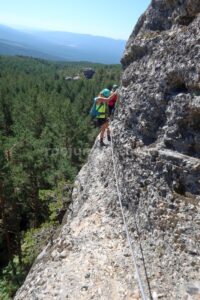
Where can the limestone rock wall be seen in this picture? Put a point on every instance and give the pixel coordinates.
(156, 134)
(89, 258)
(157, 141)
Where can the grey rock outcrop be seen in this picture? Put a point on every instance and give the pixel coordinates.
(156, 134)
(158, 123)
(88, 73)
(89, 259)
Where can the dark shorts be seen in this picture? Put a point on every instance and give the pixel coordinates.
(111, 110)
(100, 122)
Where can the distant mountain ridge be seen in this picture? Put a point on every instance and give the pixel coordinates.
(56, 45)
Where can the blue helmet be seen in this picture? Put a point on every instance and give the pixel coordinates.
(105, 93)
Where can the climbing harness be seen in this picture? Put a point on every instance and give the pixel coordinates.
(126, 227)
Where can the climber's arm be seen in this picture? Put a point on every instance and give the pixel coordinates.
(103, 99)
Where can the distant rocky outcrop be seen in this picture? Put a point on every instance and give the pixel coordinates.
(69, 78)
(88, 73)
(156, 134)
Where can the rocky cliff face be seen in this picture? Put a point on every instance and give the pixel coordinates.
(89, 259)
(156, 134)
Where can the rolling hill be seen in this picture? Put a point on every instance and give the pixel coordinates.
(65, 46)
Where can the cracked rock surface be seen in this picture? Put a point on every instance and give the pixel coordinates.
(156, 134)
(89, 259)
(157, 142)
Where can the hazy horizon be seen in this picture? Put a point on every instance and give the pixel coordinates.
(60, 45)
(113, 19)
(35, 29)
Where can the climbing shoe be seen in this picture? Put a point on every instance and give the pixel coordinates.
(108, 137)
(102, 143)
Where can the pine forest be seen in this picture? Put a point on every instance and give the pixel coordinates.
(45, 136)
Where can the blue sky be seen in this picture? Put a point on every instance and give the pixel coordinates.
(111, 18)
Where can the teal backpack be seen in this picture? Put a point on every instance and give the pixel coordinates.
(94, 112)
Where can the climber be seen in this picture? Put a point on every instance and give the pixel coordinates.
(112, 102)
(102, 119)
